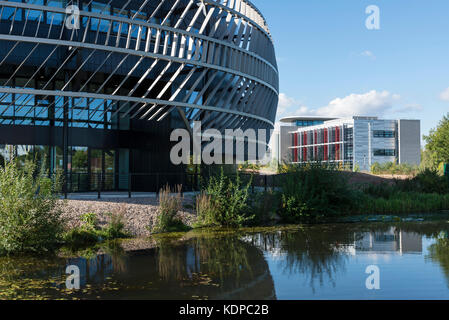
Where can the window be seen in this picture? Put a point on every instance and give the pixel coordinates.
(384, 134)
(384, 152)
(308, 123)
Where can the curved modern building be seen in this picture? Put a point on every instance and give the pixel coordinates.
(97, 86)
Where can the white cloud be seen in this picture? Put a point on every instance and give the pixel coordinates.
(445, 95)
(372, 103)
(288, 105)
(368, 54)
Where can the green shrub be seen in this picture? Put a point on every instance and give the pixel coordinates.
(224, 202)
(430, 181)
(81, 237)
(264, 206)
(30, 213)
(313, 191)
(403, 203)
(115, 229)
(90, 221)
(90, 233)
(394, 169)
(169, 206)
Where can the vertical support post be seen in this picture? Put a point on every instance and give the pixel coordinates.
(129, 184)
(99, 182)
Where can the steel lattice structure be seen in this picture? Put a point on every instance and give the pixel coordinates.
(209, 61)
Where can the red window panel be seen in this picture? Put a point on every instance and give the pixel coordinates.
(295, 139)
(326, 149)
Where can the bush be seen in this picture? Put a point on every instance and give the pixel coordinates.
(30, 213)
(169, 206)
(430, 181)
(394, 169)
(224, 202)
(90, 233)
(115, 229)
(264, 206)
(313, 191)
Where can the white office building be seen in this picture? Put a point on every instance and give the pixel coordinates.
(357, 142)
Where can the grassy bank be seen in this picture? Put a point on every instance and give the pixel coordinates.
(31, 220)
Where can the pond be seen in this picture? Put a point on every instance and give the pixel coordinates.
(407, 260)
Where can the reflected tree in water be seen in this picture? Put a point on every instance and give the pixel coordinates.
(439, 252)
(315, 252)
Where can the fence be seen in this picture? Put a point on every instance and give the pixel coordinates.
(153, 182)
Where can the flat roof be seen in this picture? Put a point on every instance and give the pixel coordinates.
(311, 118)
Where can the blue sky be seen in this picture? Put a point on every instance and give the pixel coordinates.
(330, 63)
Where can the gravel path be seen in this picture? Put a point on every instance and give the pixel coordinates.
(137, 212)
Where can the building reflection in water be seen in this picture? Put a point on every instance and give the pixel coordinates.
(391, 241)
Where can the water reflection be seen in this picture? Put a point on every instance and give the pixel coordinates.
(315, 252)
(393, 240)
(329, 259)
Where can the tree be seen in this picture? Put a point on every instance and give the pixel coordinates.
(438, 142)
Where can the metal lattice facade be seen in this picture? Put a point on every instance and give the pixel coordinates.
(209, 61)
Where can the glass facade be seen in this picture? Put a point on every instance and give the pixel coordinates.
(333, 144)
(384, 152)
(384, 134)
(309, 123)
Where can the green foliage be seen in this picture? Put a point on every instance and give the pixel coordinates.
(437, 143)
(170, 203)
(430, 181)
(311, 192)
(403, 203)
(427, 181)
(224, 202)
(81, 237)
(394, 169)
(264, 206)
(250, 166)
(90, 233)
(90, 220)
(115, 229)
(30, 213)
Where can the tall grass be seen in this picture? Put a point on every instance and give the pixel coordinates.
(403, 203)
(170, 204)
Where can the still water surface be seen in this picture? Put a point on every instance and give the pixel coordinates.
(301, 262)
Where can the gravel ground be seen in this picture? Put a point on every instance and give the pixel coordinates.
(137, 213)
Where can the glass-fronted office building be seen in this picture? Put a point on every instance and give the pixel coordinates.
(356, 142)
(96, 87)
